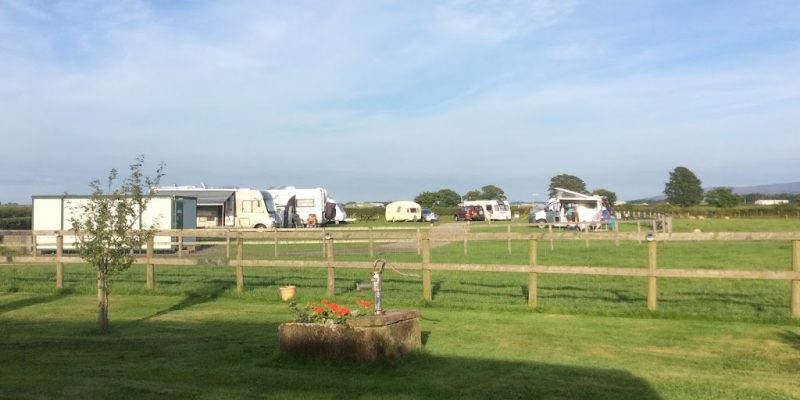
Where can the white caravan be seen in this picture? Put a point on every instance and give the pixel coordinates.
(55, 213)
(496, 210)
(229, 208)
(307, 202)
(589, 208)
(403, 211)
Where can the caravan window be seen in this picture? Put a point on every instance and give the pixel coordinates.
(305, 202)
(247, 205)
(502, 207)
(489, 207)
(413, 209)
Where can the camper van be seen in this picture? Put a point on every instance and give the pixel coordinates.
(495, 210)
(228, 208)
(586, 209)
(55, 213)
(311, 206)
(403, 211)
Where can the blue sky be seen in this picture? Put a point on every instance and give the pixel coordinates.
(382, 100)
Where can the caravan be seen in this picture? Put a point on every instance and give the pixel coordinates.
(228, 208)
(495, 210)
(403, 211)
(306, 207)
(55, 213)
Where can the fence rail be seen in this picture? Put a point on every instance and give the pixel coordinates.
(422, 240)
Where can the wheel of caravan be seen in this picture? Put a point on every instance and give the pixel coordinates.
(260, 226)
(541, 223)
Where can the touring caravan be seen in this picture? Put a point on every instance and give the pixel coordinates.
(495, 210)
(229, 208)
(403, 211)
(55, 213)
(586, 209)
(312, 206)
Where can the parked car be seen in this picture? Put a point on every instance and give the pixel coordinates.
(429, 216)
(470, 213)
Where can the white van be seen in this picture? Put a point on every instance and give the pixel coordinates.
(588, 208)
(403, 211)
(496, 210)
(314, 201)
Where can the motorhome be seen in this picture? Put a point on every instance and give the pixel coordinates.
(55, 213)
(312, 206)
(229, 207)
(495, 210)
(586, 209)
(403, 211)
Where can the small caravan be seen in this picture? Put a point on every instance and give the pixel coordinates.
(403, 211)
(495, 210)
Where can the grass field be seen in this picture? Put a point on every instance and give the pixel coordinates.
(591, 338)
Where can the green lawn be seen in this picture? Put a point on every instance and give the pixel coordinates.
(592, 337)
(215, 345)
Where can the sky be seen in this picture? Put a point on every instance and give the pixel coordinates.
(384, 100)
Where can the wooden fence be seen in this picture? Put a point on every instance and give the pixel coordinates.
(420, 240)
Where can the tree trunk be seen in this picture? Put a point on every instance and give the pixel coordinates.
(102, 302)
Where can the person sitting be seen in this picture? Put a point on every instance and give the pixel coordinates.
(311, 222)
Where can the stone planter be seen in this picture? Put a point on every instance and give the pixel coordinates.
(362, 339)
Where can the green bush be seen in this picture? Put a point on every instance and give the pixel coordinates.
(15, 223)
(13, 210)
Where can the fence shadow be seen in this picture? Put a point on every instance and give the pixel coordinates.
(791, 338)
(31, 301)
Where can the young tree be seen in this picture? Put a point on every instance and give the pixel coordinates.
(683, 188)
(492, 192)
(472, 195)
(109, 229)
(565, 181)
(722, 197)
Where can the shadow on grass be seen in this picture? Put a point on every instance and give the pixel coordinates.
(791, 338)
(157, 359)
(31, 301)
(205, 294)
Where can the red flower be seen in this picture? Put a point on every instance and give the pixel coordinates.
(364, 303)
(318, 310)
(324, 302)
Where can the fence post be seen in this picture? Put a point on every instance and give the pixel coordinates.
(639, 230)
(180, 244)
(533, 290)
(324, 248)
(151, 270)
(239, 266)
(228, 244)
(331, 287)
(652, 288)
(419, 243)
(466, 231)
(796, 283)
(371, 244)
(276, 242)
(59, 261)
(550, 230)
(509, 238)
(427, 287)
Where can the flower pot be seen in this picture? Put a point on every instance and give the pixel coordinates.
(288, 292)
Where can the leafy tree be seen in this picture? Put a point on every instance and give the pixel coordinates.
(109, 229)
(488, 192)
(472, 195)
(441, 198)
(611, 196)
(565, 181)
(683, 188)
(492, 192)
(722, 197)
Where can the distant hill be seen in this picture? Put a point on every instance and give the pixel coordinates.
(775, 188)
